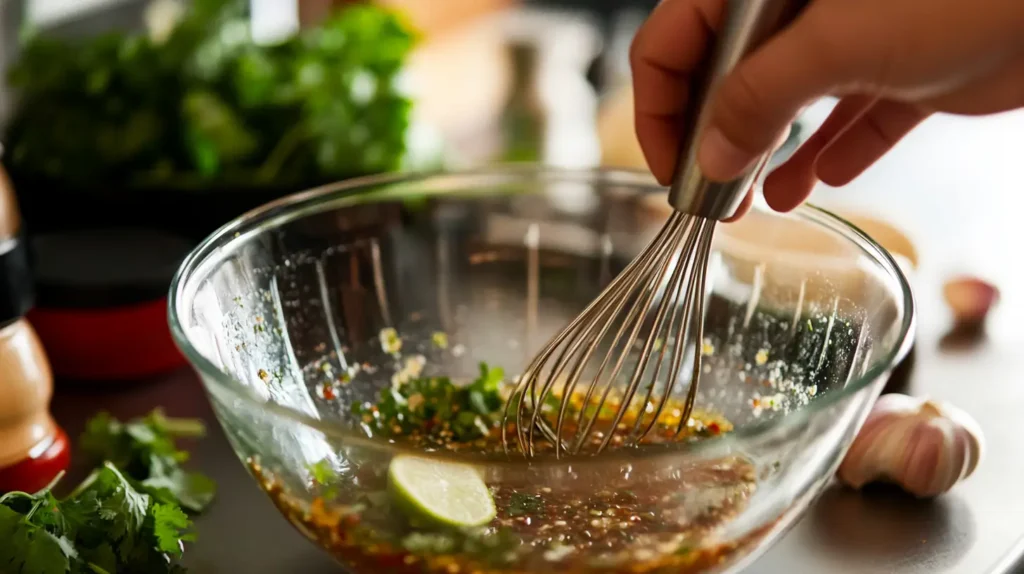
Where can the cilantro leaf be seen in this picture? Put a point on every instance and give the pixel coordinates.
(43, 552)
(121, 509)
(169, 483)
(170, 528)
(190, 490)
(146, 449)
(29, 548)
(110, 523)
(122, 528)
(484, 395)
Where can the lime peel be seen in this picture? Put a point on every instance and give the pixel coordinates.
(440, 493)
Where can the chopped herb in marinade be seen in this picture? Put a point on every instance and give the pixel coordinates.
(437, 407)
(325, 477)
(322, 472)
(440, 339)
(522, 503)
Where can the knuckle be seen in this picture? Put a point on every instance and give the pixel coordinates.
(834, 52)
(636, 48)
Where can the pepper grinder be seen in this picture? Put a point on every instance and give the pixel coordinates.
(33, 448)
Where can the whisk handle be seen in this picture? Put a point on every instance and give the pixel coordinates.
(747, 24)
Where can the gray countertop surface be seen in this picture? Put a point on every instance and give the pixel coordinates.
(953, 186)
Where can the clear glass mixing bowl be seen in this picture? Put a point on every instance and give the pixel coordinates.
(281, 312)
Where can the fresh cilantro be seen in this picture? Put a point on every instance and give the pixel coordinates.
(104, 526)
(28, 547)
(484, 392)
(147, 451)
(208, 107)
(171, 529)
(434, 405)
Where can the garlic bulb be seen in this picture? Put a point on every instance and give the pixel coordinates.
(923, 446)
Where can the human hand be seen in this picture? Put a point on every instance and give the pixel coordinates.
(892, 63)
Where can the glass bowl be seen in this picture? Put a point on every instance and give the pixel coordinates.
(301, 314)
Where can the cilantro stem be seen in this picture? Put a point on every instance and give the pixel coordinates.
(53, 483)
(14, 494)
(47, 488)
(89, 480)
(96, 569)
(35, 507)
(178, 427)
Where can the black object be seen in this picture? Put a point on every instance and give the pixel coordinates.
(103, 268)
(16, 293)
(49, 207)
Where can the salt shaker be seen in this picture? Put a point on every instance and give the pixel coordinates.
(33, 448)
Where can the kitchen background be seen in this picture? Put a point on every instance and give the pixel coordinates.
(123, 157)
(114, 192)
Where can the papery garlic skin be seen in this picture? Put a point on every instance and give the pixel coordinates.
(925, 447)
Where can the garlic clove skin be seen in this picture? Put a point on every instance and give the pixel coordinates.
(923, 446)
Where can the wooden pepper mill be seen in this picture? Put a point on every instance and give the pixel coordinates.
(33, 448)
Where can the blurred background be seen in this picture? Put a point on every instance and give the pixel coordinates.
(154, 105)
(131, 129)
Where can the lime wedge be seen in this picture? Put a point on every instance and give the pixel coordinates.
(443, 493)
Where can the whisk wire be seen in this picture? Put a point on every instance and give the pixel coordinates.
(656, 299)
(607, 313)
(529, 376)
(584, 424)
(677, 354)
(669, 300)
(701, 263)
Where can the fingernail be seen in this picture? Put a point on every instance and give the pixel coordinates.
(720, 158)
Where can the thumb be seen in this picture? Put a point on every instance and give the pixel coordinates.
(754, 103)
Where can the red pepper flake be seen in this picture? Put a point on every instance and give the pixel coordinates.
(327, 391)
(713, 428)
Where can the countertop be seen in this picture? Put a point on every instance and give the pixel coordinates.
(953, 187)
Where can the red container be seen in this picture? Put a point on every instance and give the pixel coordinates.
(101, 306)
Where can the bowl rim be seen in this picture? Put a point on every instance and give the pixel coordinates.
(345, 194)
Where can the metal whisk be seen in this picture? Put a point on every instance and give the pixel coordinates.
(657, 302)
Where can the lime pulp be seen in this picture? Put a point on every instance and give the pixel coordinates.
(443, 493)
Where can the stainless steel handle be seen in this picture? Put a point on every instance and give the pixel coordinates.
(747, 24)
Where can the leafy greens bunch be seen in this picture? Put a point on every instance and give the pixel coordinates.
(125, 518)
(206, 105)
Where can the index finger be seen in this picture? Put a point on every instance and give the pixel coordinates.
(667, 49)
